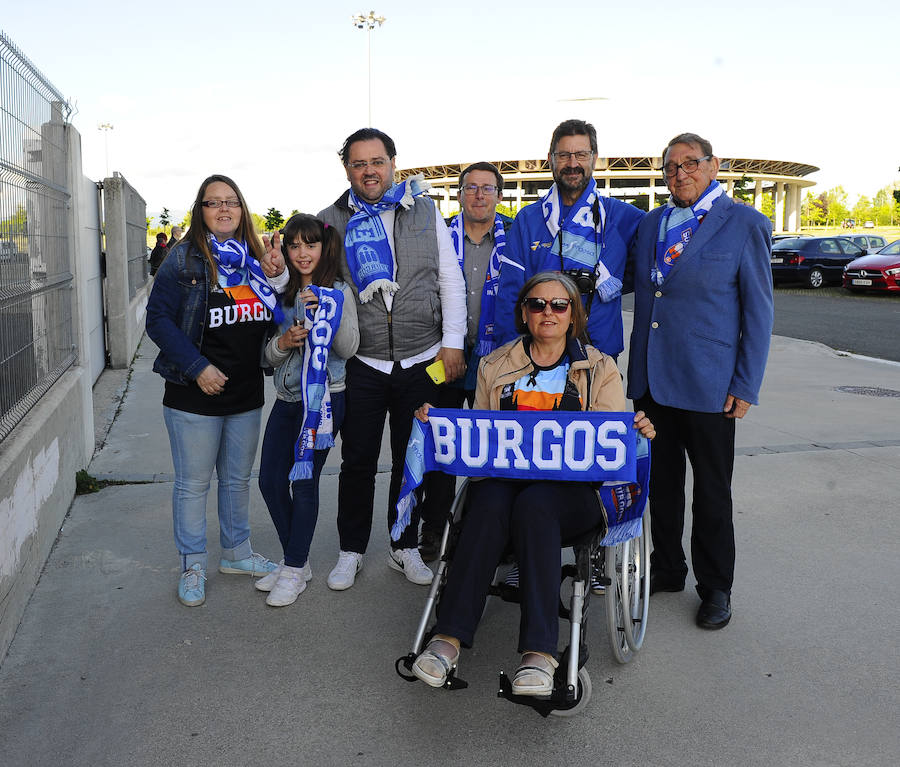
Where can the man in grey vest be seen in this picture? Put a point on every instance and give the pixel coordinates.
(401, 266)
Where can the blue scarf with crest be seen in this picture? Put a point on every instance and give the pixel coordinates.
(582, 239)
(370, 261)
(676, 227)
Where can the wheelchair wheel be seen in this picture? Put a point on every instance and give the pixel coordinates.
(585, 690)
(638, 587)
(617, 612)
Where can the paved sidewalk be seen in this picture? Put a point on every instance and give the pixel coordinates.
(108, 668)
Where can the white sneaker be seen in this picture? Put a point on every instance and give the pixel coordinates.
(344, 574)
(409, 562)
(290, 585)
(267, 583)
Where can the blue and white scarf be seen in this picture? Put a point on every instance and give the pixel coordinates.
(232, 255)
(486, 342)
(372, 265)
(676, 227)
(579, 242)
(316, 431)
(544, 445)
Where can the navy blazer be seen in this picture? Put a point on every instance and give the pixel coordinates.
(704, 333)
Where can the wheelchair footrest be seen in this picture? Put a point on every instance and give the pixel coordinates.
(453, 682)
(562, 697)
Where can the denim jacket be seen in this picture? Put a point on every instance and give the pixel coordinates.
(176, 313)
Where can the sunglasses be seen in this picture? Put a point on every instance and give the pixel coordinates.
(537, 305)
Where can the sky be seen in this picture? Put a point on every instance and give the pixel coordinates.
(266, 94)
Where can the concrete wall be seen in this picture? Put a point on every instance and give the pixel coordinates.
(125, 315)
(39, 459)
(37, 473)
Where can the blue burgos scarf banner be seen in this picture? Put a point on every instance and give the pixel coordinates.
(316, 431)
(574, 446)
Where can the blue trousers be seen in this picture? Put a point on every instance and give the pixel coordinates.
(293, 506)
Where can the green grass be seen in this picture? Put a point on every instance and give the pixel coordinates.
(890, 233)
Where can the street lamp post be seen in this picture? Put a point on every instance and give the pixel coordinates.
(368, 23)
(106, 128)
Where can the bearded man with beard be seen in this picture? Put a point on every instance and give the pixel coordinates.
(575, 230)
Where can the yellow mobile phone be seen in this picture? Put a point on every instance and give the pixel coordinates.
(436, 372)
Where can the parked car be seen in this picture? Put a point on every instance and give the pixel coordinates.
(813, 260)
(878, 271)
(8, 250)
(871, 243)
(788, 236)
(869, 225)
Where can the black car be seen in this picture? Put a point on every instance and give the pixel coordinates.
(813, 260)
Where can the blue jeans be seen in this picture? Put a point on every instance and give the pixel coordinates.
(293, 506)
(199, 443)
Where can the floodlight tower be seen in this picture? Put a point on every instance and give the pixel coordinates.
(368, 23)
(106, 128)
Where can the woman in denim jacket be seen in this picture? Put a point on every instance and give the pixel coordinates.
(312, 253)
(209, 311)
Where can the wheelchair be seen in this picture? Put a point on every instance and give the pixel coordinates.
(626, 577)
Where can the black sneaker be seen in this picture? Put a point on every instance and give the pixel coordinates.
(429, 545)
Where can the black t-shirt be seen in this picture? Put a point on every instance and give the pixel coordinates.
(236, 324)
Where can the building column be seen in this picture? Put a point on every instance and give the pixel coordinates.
(445, 208)
(757, 194)
(651, 204)
(729, 189)
(793, 208)
(518, 194)
(779, 206)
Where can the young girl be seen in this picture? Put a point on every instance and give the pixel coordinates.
(312, 251)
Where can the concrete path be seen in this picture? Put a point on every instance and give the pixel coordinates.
(108, 668)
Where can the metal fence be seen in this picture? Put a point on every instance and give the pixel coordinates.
(37, 337)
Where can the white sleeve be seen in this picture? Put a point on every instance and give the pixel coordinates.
(452, 287)
(279, 282)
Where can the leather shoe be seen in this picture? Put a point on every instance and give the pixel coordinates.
(665, 582)
(429, 545)
(715, 610)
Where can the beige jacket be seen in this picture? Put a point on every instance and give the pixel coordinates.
(510, 362)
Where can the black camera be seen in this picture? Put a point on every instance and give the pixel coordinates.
(583, 279)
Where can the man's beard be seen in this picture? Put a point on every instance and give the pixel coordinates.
(566, 180)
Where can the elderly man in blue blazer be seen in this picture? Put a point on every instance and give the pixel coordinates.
(702, 322)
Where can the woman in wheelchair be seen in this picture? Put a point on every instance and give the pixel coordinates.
(546, 368)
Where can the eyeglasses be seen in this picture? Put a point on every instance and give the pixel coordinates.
(537, 305)
(581, 155)
(377, 163)
(220, 203)
(486, 189)
(688, 166)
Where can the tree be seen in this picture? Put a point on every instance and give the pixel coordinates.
(836, 199)
(294, 212)
(743, 189)
(768, 207)
(862, 210)
(274, 220)
(813, 211)
(164, 220)
(259, 223)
